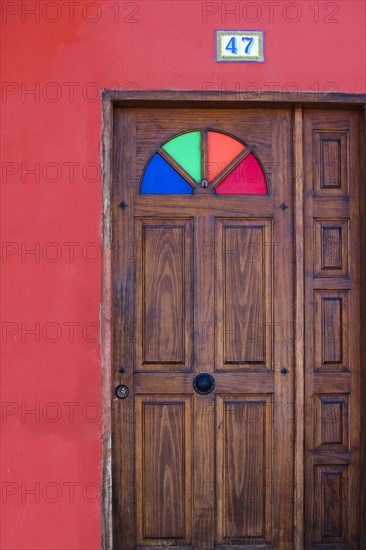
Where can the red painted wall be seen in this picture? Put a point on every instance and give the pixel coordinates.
(56, 57)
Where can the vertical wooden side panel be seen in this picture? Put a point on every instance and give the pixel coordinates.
(244, 469)
(299, 329)
(333, 342)
(163, 454)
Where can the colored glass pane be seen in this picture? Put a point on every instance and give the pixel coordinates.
(246, 178)
(161, 178)
(221, 150)
(185, 149)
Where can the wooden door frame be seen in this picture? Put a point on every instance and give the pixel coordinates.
(223, 100)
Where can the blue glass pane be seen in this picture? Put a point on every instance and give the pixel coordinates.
(161, 178)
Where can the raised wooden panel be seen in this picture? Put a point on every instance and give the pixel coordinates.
(331, 332)
(331, 248)
(163, 469)
(164, 300)
(332, 422)
(330, 153)
(243, 294)
(244, 469)
(331, 504)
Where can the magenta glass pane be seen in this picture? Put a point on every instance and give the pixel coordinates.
(246, 179)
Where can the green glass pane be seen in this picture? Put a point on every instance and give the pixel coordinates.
(186, 151)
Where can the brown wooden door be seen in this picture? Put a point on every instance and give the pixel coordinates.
(206, 283)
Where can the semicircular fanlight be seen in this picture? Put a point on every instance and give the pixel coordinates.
(209, 158)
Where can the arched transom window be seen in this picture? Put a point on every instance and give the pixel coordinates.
(204, 159)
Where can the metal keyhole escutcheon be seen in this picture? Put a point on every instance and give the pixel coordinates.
(203, 383)
(122, 391)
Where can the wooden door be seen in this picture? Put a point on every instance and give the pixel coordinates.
(204, 281)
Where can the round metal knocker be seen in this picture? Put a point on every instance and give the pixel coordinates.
(204, 383)
(122, 391)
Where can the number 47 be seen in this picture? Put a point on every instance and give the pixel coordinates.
(231, 46)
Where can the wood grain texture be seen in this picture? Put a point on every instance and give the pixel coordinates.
(332, 357)
(163, 284)
(228, 100)
(204, 405)
(270, 131)
(362, 199)
(123, 440)
(106, 327)
(238, 205)
(331, 162)
(243, 294)
(331, 504)
(330, 167)
(332, 422)
(332, 316)
(331, 247)
(244, 463)
(164, 294)
(299, 319)
(164, 469)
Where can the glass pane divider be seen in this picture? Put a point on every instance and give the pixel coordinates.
(177, 167)
(230, 167)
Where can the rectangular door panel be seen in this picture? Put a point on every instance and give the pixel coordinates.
(163, 470)
(331, 346)
(332, 422)
(331, 248)
(243, 294)
(164, 294)
(331, 162)
(244, 469)
(331, 505)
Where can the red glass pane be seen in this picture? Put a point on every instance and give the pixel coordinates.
(246, 179)
(221, 150)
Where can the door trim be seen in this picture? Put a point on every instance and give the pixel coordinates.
(221, 100)
(299, 319)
